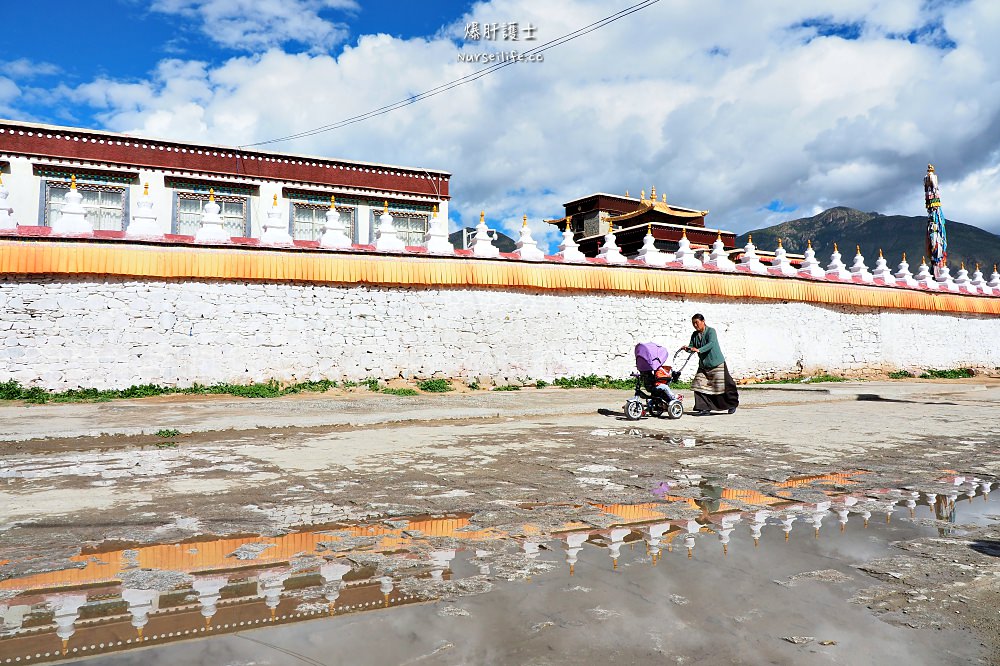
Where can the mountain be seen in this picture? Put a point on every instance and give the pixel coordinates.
(894, 234)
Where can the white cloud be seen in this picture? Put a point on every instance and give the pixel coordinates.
(22, 69)
(251, 25)
(690, 100)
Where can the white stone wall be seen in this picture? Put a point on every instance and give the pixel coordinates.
(64, 333)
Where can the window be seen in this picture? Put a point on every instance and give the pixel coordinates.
(104, 204)
(410, 227)
(191, 204)
(309, 220)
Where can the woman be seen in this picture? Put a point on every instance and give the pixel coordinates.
(713, 386)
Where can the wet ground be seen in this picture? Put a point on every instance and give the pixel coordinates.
(842, 524)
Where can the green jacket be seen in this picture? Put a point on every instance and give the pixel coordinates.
(709, 352)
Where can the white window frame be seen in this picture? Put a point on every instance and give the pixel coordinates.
(46, 209)
(350, 220)
(243, 226)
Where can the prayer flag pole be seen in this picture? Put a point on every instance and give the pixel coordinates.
(937, 237)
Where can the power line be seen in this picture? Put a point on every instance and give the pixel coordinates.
(468, 78)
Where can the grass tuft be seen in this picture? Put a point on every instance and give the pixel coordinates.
(400, 391)
(435, 386)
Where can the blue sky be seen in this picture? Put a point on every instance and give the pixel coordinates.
(822, 103)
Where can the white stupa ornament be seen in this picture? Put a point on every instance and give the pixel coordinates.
(66, 611)
(143, 223)
(441, 562)
(750, 260)
(726, 527)
(617, 541)
(72, 219)
(270, 586)
(781, 265)
(610, 251)
(654, 537)
(758, 524)
(208, 590)
(883, 272)
(385, 587)
(925, 278)
(527, 247)
(574, 544)
(649, 254)
(212, 229)
(836, 270)
(482, 246)
(140, 604)
(994, 282)
(685, 256)
(859, 271)
(903, 274)
(962, 280)
(7, 222)
(386, 239)
(719, 258)
(810, 267)
(945, 281)
(978, 283)
(333, 575)
(569, 250)
(436, 238)
(275, 228)
(786, 524)
(334, 232)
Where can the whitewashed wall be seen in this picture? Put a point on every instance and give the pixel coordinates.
(60, 333)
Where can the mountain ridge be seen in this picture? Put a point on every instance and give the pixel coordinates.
(872, 231)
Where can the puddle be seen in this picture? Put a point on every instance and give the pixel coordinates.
(707, 571)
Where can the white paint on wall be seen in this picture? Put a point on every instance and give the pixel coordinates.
(62, 333)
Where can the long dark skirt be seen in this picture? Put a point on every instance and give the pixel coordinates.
(719, 402)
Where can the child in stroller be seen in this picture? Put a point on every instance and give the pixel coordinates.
(655, 375)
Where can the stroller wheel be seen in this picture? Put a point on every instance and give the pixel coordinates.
(633, 410)
(675, 409)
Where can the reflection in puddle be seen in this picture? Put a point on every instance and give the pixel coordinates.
(114, 598)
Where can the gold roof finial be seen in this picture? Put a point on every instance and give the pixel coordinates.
(524, 222)
(145, 190)
(211, 194)
(482, 217)
(719, 235)
(649, 229)
(779, 243)
(880, 253)
(642, 195)
(930, 167)
(977, 265)
(904, 256)
(963, 265)
(1, 182)
(809, 244)
(434, 211)
(835, 248)
(684, 232)
(858, 248)
(923, 260)
(787, 535)
(72, 182)
(611, 226)
(663, 197)
(750, 238)
(626, 194)
(652, 193)
(994, 268)
(275, 200)
(274, 612)
(614, 563)
(571, 570)
(333, 201)
(386, 208)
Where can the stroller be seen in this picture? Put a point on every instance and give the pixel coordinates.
(649, 357)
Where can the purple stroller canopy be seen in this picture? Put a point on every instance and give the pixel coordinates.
(649, 356)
